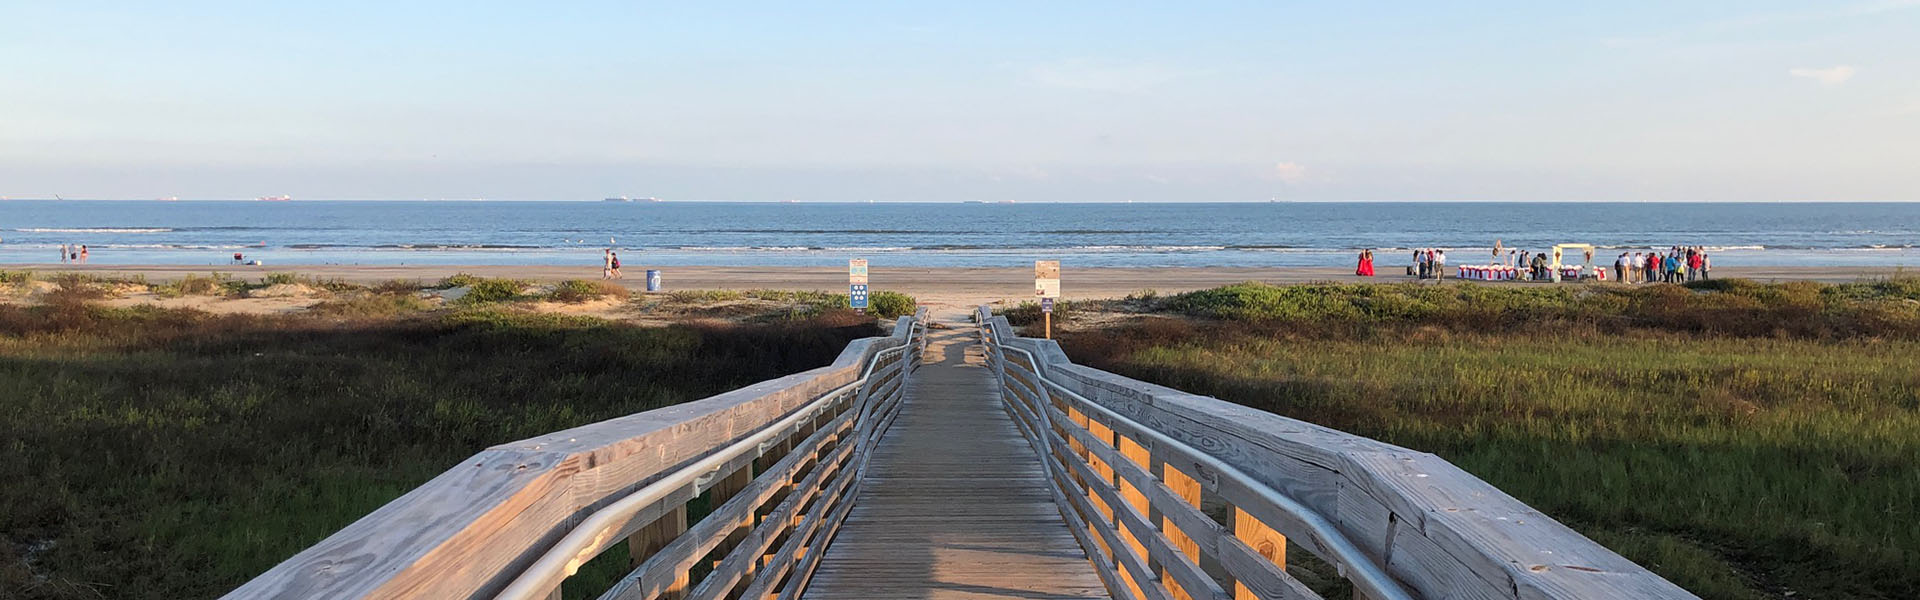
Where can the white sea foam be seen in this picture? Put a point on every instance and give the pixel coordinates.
(94, 230)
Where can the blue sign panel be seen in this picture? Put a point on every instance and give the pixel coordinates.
(857, 295)
(1046, 305)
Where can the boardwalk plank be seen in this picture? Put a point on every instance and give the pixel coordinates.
(954, 505)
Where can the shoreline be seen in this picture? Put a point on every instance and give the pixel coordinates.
(933, 286)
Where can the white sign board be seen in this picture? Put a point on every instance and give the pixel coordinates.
(1046, 278)
(857, 271)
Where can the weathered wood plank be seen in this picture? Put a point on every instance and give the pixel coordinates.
(954, 503)
(1264, 540)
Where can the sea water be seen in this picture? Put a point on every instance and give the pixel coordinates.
(924, 234)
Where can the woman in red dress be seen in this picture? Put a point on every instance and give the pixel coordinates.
(1366, 264)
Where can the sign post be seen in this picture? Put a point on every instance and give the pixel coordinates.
(1046, 285)
(857, 285)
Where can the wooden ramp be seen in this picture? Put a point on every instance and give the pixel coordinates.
(955, 504)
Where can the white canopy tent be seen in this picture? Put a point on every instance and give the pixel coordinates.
(1558, 249)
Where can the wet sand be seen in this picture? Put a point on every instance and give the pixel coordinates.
(949, 286)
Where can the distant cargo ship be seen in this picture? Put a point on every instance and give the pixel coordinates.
(626, 199)
(279, 198)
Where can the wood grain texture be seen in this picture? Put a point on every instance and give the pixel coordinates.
(1264, 540)
(954, 503)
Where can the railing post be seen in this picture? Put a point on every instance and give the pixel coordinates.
(1137, 454)
(722, 491)
(1189, 490)
(656, 535)
(1262, 539)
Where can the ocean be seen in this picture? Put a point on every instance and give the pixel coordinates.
(932, 235)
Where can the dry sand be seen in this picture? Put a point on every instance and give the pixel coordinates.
(942, 288)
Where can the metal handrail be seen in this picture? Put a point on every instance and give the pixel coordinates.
(579, 546)
(1369, 577)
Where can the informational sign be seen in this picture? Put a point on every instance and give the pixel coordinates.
(857, 271)
(1046, 278)
(857, 295)
(1046, 305)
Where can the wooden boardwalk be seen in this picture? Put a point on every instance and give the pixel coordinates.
(955, 504)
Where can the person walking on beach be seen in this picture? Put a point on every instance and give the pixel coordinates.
(1634, 265)
(1440, 264)
(1673, 268)
(1706, 266)
(63, 254)
(606, 264)
(613, 264)
(1620, 268)
(1365, 268)
(1693, 265)
(83, 254)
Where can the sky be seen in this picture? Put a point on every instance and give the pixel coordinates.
(1748, 100)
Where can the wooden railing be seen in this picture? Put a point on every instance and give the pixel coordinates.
(776, 464)
(1177, 496)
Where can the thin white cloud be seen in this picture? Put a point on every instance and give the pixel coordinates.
(1289, 173)
(1834, 75)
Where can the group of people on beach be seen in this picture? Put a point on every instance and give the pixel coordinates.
(1679, 264)
(73, 254)
(1430, 263)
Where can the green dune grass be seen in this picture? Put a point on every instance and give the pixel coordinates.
(1738, 457)
(155, 453)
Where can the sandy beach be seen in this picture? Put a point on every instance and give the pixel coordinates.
(935, 287)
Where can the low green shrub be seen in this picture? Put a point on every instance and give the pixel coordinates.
(891, 305)
(582, 290)
(192, 285)
(279, 279)
(398, 286)
(74, 289)
(492, 289)
(457, 280)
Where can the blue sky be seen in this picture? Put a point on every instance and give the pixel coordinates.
(1749, 100)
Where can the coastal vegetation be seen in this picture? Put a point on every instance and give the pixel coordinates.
(334, 297)
(1744, 440)
(173, 453)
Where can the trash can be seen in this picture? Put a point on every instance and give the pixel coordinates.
(653, 280)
